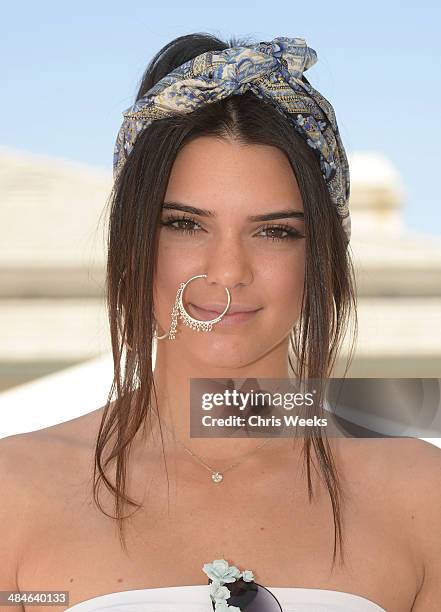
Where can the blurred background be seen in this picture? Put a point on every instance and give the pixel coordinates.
(71, 70)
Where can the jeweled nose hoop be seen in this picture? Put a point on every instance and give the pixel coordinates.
(179, 311)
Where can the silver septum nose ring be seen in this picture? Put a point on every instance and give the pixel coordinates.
(180, 312)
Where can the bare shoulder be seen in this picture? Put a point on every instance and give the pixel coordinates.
(29, 460)
(406, 470)
(404, 474)
(409, 465)
(14, 509)
(50, 451)
(32, 450)
(35, 468)
(396, 459)
(422, 493)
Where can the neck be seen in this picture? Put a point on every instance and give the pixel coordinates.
(174, 368)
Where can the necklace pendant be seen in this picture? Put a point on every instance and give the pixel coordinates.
(216, 477)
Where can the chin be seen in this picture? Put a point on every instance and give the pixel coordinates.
(228, 353)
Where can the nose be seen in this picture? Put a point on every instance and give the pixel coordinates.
(228, 263)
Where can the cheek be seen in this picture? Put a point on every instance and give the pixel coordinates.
(174, 266)
(166, 280)
(284, 283)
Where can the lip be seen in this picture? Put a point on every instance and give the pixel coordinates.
(239, 316)
(217, 308)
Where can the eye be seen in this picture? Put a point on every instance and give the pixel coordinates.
(172, 219)
(291, 233)
(186, 225)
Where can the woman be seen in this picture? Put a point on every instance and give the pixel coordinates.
(231, 191)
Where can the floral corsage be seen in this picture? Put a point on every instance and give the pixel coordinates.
(220, 572)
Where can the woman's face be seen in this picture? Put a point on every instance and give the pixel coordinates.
(260, 262)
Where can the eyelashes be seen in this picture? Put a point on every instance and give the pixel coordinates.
(291, 233)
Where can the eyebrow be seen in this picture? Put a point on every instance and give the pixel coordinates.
(280, 214)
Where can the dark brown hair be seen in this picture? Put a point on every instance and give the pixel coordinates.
(134, 215)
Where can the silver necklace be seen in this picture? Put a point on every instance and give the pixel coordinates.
(217, 476)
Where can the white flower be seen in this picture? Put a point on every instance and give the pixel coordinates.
(218, 591)
(220, 571)
(248, 576)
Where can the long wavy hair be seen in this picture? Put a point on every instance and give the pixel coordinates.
(134, 210)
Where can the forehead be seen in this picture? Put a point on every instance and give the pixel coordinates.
(211, 171)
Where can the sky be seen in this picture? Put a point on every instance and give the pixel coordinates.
(69, 70)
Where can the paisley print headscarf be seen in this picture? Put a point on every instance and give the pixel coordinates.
(273, 71)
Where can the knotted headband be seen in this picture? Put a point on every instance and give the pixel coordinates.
(273, 71)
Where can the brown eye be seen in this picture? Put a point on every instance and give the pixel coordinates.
(170, 222)
(290, 232)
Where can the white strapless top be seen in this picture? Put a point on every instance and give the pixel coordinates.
(196, 598)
